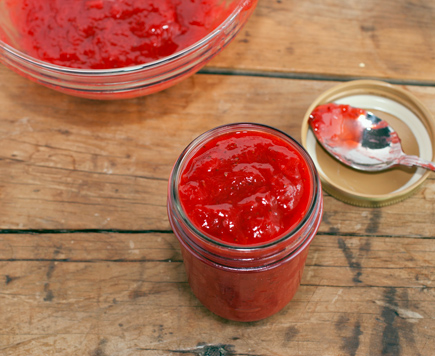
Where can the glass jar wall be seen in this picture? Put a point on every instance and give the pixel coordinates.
(250, 281)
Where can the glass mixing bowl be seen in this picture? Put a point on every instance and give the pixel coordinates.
(124, 82)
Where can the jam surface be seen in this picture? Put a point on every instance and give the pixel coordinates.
(337, 124)
(246, 188)
(103, 34)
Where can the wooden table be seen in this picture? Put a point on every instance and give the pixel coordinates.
(88, 263)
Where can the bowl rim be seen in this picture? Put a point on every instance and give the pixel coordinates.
(139, 67)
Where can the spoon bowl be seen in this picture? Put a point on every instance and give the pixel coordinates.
(360, 139)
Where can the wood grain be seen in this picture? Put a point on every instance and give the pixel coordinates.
(69, 163)
(388, 39)
(132, 298)
(88, 263)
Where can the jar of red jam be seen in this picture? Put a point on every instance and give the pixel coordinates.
(245, 202)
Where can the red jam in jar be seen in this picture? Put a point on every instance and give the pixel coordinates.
(245, 202)
(101, 34)
(245, 188)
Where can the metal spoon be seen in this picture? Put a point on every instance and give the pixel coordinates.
(360, 139)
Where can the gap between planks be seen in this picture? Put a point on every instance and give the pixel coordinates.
(309, 76)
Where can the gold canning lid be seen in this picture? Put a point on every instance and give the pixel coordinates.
(409, 118)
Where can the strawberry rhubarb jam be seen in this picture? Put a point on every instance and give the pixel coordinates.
(245, 202)
(104, 34)
(337, 124)
(245, 188)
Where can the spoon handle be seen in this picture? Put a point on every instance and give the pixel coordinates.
(410, 161)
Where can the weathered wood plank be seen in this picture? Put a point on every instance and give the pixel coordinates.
(414, 216)
(327, 251)
(43, 198)
(152, 335)
(69, 163)
(38, 197)
(333, 261)
(127, 247)
(389, 39)
(146, 308)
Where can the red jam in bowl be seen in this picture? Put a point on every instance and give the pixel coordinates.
(101, 34)
(245, 202)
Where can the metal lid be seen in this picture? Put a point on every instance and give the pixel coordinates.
(405, 113)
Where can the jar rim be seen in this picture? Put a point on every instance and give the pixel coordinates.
(190, 149)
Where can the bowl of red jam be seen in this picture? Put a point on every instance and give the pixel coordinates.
(245, 202)
(116, 49)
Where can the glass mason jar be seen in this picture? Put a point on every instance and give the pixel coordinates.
(243, 282)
